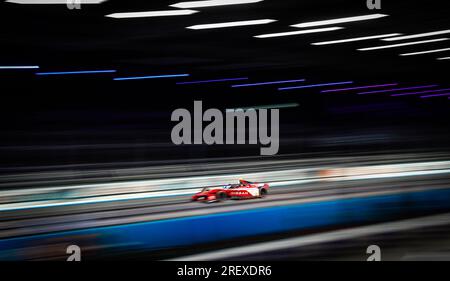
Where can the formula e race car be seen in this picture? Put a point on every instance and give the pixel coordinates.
(242, 190)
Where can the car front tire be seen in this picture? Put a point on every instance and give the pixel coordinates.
(262, 193)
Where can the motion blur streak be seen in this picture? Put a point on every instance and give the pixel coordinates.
(49, 2)
(358, 88)
(422, 92)
(151, 77)
(20, 67)
(105, 214)
(398, 89)
(212, 81)
(76, 72)
(267, 83)
(152, 14)
(332, 236)
(212, 3)
(355, 39)
(230, 24)
(300, 32)
(91, 161)
(340, 20)
(403, 44)
(315, 85)
(160, 194)
(434, 33)
(435, 95)
(272, 106)
(425, 52)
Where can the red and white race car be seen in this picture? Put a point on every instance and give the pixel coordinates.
(242, 190)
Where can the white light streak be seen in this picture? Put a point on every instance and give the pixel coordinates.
(340, 20)
(230, 24)
(54, 2)
(403, 44)
(212, 3)
(355, 39)
(425, 52)
(291, 33)
(420, 35)
(152, 14)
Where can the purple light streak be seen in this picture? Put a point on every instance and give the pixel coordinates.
(436, 95)
(314, 85)
(418, 93)
(359, 88)
(399, 89)
(212, 81)
(268, 83)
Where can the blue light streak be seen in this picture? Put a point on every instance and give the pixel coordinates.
(151, 77)
(315, 85)
(268, 83)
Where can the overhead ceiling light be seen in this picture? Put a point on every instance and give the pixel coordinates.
(291, 33)
(403, 44)
(418, 35)
(50, 2)
(152, 14)
(447, 58)
(315, 85)
(211, 3)
(76, 72)
(230, 24)
(355, 39)
(19, 67)
(212, 81)
(340, 20)
(268, 83)
(151, 77)
(425, 52)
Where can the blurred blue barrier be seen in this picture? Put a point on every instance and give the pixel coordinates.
(240, 224)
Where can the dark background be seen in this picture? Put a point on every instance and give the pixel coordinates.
(93, 119)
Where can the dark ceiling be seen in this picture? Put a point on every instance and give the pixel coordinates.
(57, 38)
(95, 109)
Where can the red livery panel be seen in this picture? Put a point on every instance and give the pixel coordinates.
(242, 190)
